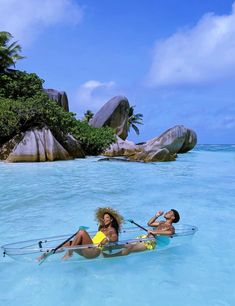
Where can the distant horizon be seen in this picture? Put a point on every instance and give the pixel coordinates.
(174, 61)
(215, 144)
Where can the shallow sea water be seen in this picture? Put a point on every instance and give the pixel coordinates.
(48, 199)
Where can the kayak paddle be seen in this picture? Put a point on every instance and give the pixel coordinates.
(52, 251)
(159, 237)
(140, 226)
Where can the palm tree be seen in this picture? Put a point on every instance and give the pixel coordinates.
(9, 54)
(88, 115)
(134, 119)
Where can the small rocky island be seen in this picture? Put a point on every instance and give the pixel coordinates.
(165, 147)
(36, 125)
(40, 144)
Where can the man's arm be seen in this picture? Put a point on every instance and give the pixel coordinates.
(152, 222)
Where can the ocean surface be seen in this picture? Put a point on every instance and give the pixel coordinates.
(49, 199)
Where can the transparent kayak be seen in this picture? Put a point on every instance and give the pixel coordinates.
(30, 250)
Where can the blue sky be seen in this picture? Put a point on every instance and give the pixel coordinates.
(174, 60)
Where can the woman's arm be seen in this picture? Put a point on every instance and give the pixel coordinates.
(112, 235)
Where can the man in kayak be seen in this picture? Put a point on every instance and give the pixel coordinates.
(164, 228)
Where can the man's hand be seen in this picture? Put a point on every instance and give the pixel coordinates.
(159, 213)
(151, 233)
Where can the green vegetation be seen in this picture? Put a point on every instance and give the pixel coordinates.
(24, 105)
(93, 140)
(88, 115)
(134, 119)
(16, 84)
(38, 111)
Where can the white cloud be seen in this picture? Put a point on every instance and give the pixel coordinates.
(203, 53)
(26, 18)
(226, 122)
(93, 94)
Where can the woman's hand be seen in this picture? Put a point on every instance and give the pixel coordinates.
(104, 241)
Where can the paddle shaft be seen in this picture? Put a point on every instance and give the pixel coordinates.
(52, 251)
(145, 228)
(140, 226)
(82, 227)
(60, 245)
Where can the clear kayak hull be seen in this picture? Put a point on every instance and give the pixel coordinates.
(30, 250)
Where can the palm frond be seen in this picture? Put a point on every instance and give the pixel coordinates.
(134, 119)
(9, 54)
(135, 128)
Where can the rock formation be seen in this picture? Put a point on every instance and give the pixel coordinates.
(38, 145)
(71, 145)
(165, 147)
(7, 147)
(43, 145)
(190, 141)
(114, 113)
(121, 148)
(59, 96)
(175, 140)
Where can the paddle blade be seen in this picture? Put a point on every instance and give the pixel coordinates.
(83, 227)
(43, 257)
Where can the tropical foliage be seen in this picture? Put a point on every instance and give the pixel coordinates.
(24, 105)
(38, 111)
(17, 84)
(93, 140)
(88, 115)
(134, 119)
(9, 53)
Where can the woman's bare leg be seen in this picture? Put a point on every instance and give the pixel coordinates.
(128, 248)
(137, 247)
(82, 238)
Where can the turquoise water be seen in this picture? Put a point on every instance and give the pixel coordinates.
(47, 199)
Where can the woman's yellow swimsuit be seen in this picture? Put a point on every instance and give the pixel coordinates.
(99, 236)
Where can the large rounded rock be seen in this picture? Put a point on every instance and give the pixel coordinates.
(120, 148)
(71, 145)
(59, 96)
(190, 141)
(7, 147)
(114, 114)
(172, 139)
(160, 155)
(36, 146)
(175, 140)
